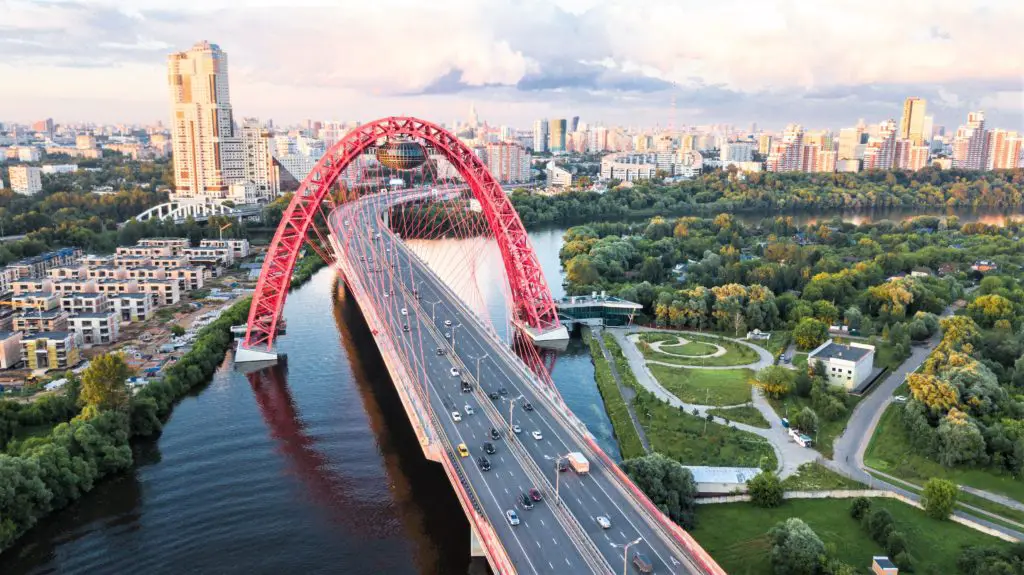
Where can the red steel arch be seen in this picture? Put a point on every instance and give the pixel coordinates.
(531, 298)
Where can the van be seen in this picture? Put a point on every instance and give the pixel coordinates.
(642, 563)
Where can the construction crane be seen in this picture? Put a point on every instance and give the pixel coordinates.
(222, 228)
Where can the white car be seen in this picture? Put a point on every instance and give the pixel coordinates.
(536, 435)
(454, 372)
(899, 398)
(456, 416)
(447, 323)
(468, 409)
(516, 429)
(513, 519)
(405, 311)
(604, 522)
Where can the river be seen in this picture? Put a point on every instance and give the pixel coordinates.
(318, 472)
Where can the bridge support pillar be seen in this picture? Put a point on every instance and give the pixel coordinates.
(476, 548)
(248, 355)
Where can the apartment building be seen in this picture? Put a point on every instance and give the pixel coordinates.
(37, 322)
(163, 292)
(130, 261)
(95, 328)
(32, 285)
(34, 301)
(147, 273)
(116, 287)
(64, 287)
(10, 349)
(26, 180)
(222, 255)
(145, 251)
(37, 266)
(239, 247)
(188, 278)
(175, 245)
(50, 350)
(7, 279)
(132, 307)
(68, 273)
(94, 261)
(170, 261)
(91, 302)
(107, 272)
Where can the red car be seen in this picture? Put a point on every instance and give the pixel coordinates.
(535, 494)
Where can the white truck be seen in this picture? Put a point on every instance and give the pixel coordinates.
(579, 463)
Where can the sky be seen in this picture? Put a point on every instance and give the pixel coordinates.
(823, 63)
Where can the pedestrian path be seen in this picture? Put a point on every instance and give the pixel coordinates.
(628, 394)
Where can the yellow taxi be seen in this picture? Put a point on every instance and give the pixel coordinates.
(463, 450)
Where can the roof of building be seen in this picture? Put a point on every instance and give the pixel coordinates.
(737, 475)
(94, 315)
(839, 351)
(84, 294)
(48, 335)
(32, 294)
(46, 314)
(134, 295)
(7, 334)
(883, 562)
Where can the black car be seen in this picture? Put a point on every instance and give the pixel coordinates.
(484, 463)
(527, 406)
(440, 351)
(489, 448)
(466, 386)
(525, 501)
(493, 395)
(563, 465)
(495, 434)
(503, 391)
(405, 328)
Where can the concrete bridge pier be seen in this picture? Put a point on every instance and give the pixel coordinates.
(476, 547)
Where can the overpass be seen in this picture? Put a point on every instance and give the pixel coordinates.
(444, 359)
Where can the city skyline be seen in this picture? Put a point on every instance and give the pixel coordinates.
(607, 62)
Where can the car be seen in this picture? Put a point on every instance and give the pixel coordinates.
(385, 293)
(440, 351)
(447, 335)
(503, 391)
(488, 448)
(516, 429)
(495, 434)
(604, 522)
(537, 435)
(456, 416)
(347, 223)
(563, 465)
(463, 450)
(405, 327)
(454, 371)
(527, 406)
(466, 386)
(447, 323)
(535, 494)
(525, 501)
(468, 409)
(484, 463)
(416, 294)
(405, 311)
(643, 564)
(899, 398)
(513, 519)
(362, 258)
(493, 395)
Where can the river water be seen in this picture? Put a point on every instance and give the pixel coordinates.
(316, 472)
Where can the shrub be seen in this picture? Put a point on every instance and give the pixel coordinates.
(859, 507)
(765, 490)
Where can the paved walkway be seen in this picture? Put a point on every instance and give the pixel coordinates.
(627, 392)
(764, 358)
(790, 455)
(680, 342)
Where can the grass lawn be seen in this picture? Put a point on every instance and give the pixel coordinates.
(682, 436)
(814, 476)
(829, 430)
(615, 405)
(735, 353)
(744, 414)
(705, 386)
(776, 343)
(884, 356)
(690, 348)
(800, 360)
(890, 452)
(743, 548)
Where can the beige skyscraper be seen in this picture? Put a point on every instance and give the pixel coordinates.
(913, 120)
(207, 153)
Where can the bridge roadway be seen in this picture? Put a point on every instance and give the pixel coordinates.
(555, 536)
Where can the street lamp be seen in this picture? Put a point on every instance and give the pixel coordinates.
(484, 356)
(625, 553)
(558, 475)
(511, 405)
(433, 304)
(453, 334)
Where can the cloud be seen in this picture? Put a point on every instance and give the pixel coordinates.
(719, 58)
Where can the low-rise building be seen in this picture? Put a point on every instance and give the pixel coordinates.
(882, 565)
(93, 261)
(147, 273)
(984, 266)
(188, 278)
(87, 302)
(721, 480)
(10, 349)
(175, 245)
(50, 350)
(145, 251)
(117, 287)
(132, 261)
(64, 287)
(34, 301)
(170, 261)
(163, 292)
(76, 272)
(223, 256)
(845, 365)
(7, 278)
(239, 247)
(95, 328)
(133, 307)
(36, 322)
(32, 285)
(37, 266)
(107, 272)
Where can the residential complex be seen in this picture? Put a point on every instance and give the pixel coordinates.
(26, 180)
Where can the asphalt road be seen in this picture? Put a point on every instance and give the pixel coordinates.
(548, 539)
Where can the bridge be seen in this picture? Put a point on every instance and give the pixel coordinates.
(181, 211)
(463, 387)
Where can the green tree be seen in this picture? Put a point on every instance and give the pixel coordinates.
(765, 489)
(775, 381)
(939, 497)
(796, 548)
(104, 382)
(806, 420)
(669, 485)
(859, 507)
(177, 330)
(810, 333)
